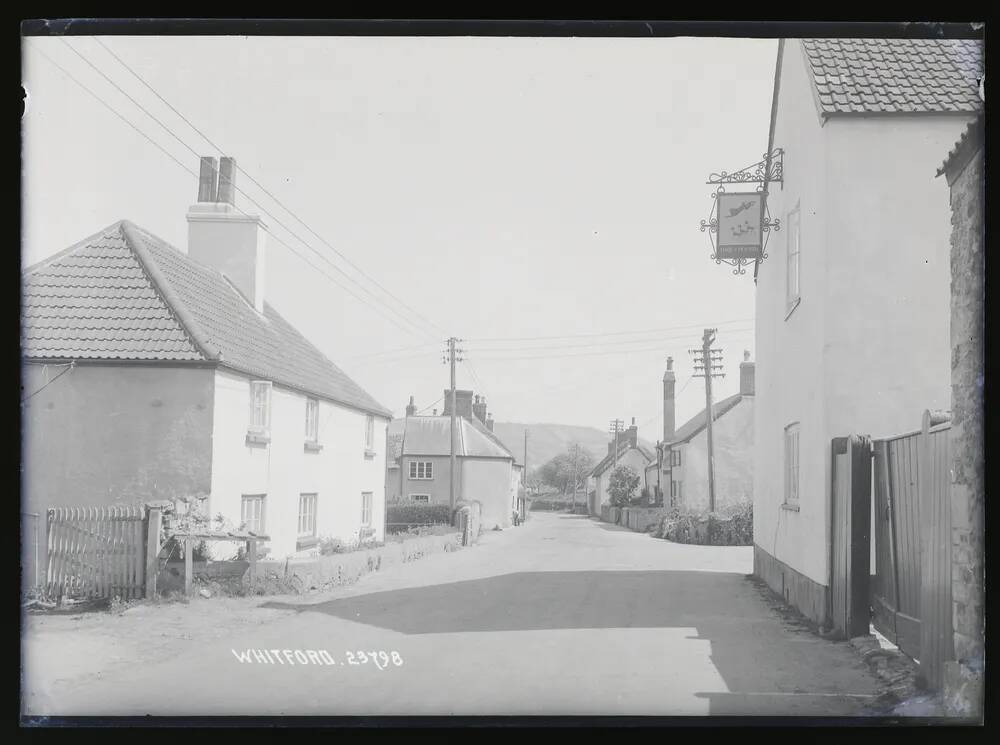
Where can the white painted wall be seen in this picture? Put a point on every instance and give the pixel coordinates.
(867, 348)
(488, 481)
(283, 470)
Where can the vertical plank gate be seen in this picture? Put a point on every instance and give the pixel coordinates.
(851, 535)
(97, 552)
(911, 588)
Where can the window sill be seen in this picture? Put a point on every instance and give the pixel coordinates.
(792, 307)
(312, 447)
(258, 438)
(790, 507)
(303, 543)
(369, 454)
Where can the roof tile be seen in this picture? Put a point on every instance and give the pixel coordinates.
(896, 75)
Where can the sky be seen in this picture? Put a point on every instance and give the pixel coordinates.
(537, 198)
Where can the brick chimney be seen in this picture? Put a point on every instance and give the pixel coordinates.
(746, 375)
(489, 422)
(669, 420)
(463, 403)
(224, 238)
(411, 408)
(479, 408)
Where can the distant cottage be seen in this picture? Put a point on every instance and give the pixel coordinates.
(486, 471)
(185, 381)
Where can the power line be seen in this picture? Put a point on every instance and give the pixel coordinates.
(609, 333)
(266, 191)
(69, 367)
(241, 191)
(643, 350)
(196, 176)
(592, 344)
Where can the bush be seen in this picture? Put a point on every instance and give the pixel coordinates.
(730, 527)
(419, 514)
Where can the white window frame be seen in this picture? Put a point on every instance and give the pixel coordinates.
(307, 516)
(312, 420)
(367, 505)
(421, 470)
(793, 260)
(675, 458)
(426, 498)
(370, 432)
(257, 515)
(260, 406)
(792, 464)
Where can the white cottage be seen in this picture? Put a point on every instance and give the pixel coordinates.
(852, 303)
(185, 381)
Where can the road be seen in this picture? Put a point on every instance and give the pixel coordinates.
(563, 615)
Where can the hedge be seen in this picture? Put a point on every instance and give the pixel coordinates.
(419, 514)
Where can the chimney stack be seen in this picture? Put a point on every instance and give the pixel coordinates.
(411, 408)
(669, 420)
(435, 412)
(746, 375)
(489, 422)
(224, 238)
(632, 434)
(479, 408)
(463, 403)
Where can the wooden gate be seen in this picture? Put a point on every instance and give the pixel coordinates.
(97, 552)
(850, 545)
(911, 588)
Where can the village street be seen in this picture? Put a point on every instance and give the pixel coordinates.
(564, 615)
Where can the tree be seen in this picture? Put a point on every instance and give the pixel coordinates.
(568, 469)
(622, 485)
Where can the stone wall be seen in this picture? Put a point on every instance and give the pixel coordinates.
(643, 519)
(963, 680)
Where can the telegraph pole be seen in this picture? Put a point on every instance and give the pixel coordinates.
(709, 362)
(450, 358)
(615, 428)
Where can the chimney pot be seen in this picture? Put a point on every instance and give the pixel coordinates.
(208, 179)
(411, 408)
(227, 181)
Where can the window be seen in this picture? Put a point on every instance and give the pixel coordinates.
(366, 508)
(252, 513)
(420, 469)
(677, 489)
(260, 406)
(370, 433)
(307, 515)
(675, 458)
(792, 464)
(423, 498)
(312, 420)
(792, 287)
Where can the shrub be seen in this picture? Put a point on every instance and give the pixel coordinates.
(622, 485)
(419, 514)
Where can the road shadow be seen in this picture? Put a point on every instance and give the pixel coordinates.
(764, 663)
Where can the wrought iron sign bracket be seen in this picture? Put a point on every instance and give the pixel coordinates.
(764, 172)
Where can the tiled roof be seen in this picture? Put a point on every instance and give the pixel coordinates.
(623, 448)
(968, 143)
(124, 294)
(699, 421)
(895, 75)
(428, 435)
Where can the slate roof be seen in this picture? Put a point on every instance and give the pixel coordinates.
(699, 421)
(429, 435)
(124, 294)
(623, 447)
(895, 75)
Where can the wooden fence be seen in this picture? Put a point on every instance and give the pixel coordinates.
(97, 552)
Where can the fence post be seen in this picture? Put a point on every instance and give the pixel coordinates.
(188, 565)
(153, 522)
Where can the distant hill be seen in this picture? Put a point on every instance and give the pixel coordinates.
(546, 441)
